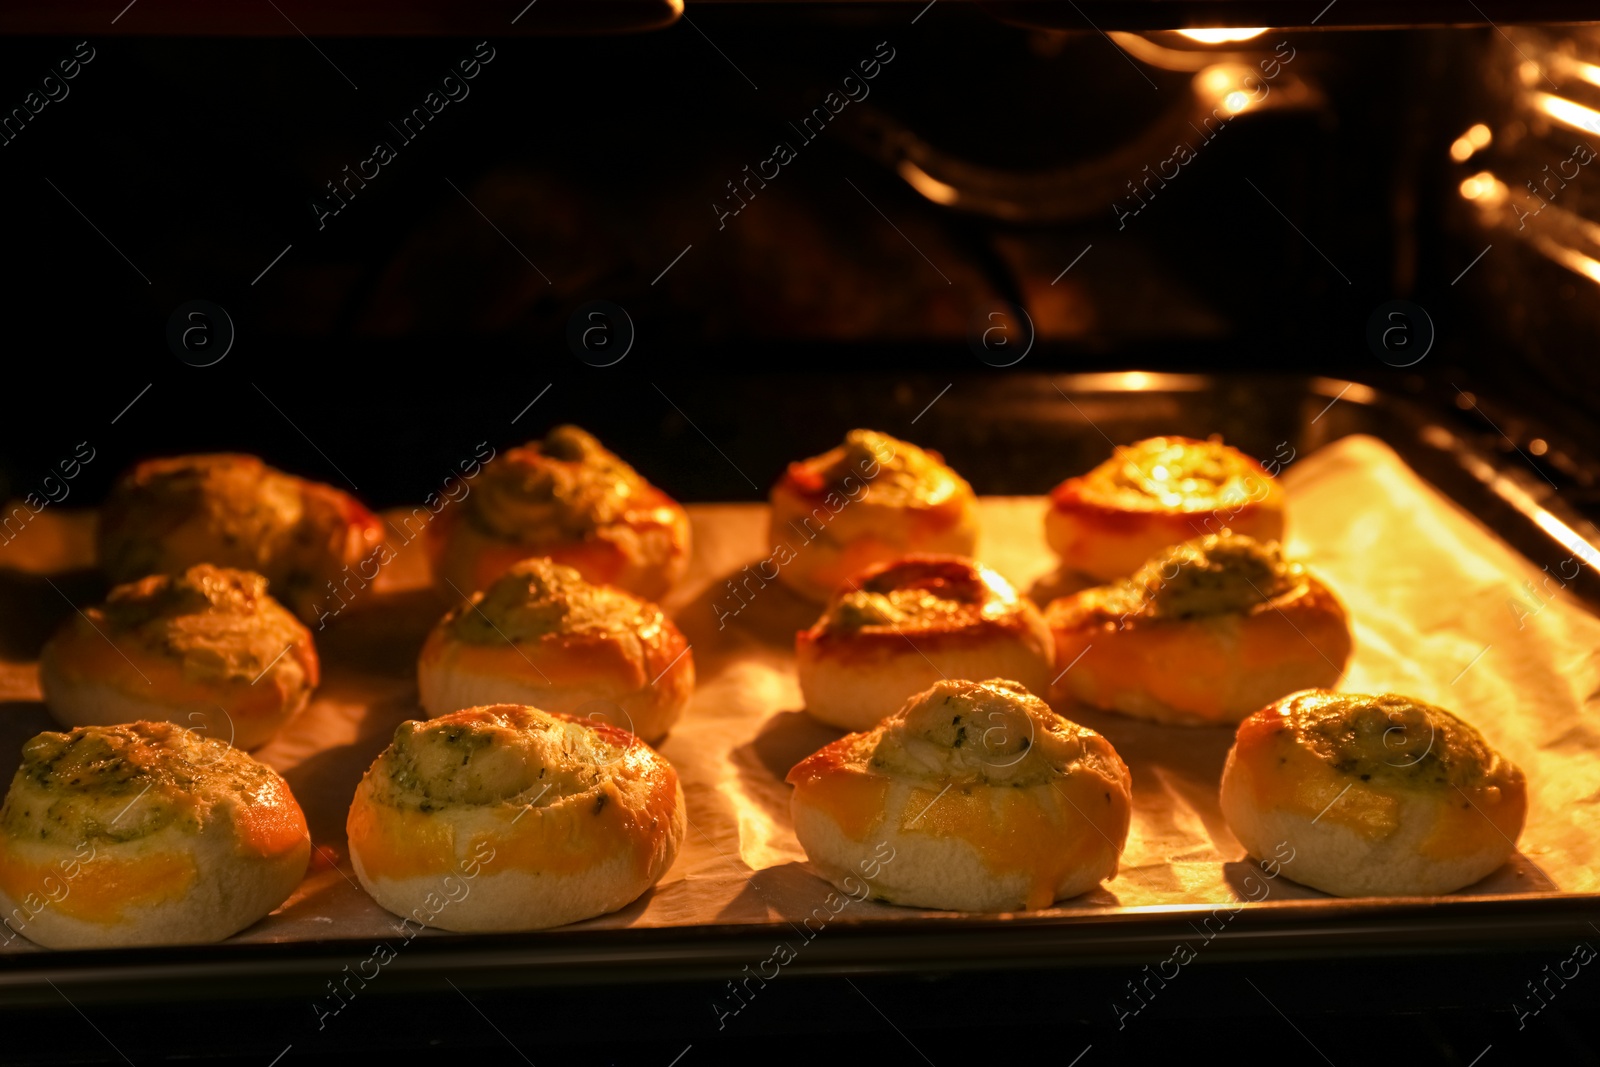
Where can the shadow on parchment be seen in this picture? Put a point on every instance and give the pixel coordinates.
(1058, 583)
(785, 739)
(19, 720)
(1190, 770)
(325, 781)
(725, 624)
(382, 632)
(794, 892)
(763, 763)
(1248, 878)
(37, 604)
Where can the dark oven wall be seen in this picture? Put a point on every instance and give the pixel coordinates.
(400, 243)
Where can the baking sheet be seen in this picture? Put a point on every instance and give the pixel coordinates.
(1441, 609)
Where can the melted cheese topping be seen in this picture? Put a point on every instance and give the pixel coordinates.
(243, 504)
(1213, 575)
(1390, 738)
(219, 623)
(1353, 758)
(123, 783)
(234, 511)
(562, 795)
(501, 755)
(1175, 473)
(895, 473)
(558, 489)
(989, 764)
(919, 592)
(990, 733)
(537, 598)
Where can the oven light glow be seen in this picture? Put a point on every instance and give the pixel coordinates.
(1217, 79)
(1570, 258)
(1586, 71)
(1485, 188)
(1508, 490)
(1568, 112)
(1224, 35)
(926, 184)
(1568, 537)
(1476, 138)
(1228, 86)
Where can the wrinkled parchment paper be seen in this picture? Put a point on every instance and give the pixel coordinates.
(1439, 605)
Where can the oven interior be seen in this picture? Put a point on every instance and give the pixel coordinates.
(1019, 198)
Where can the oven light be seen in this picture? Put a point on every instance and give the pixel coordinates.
(1225, 35)
(1475, 139)
(1586, 71)
(1568, 112)
(1225, 83)
(1569, 538)
(1570, 258)
(926, 184)
(1485, 188)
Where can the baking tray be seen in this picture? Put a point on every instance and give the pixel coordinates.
(1072, 417)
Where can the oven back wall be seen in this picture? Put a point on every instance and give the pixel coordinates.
(397, 244)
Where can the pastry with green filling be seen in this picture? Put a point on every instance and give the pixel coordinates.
(1206, 632)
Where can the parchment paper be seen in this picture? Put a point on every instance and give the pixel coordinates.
(1439, 604)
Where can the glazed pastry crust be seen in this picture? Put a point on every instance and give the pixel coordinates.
(144, 834)
(166, 515)
(1155, 493)
(570, 499)
(544, 636)
(1209, 646)
(985, 799)
(207, 649)
(510, 818)
(1378, 795)
(872, 499)
(898, 627)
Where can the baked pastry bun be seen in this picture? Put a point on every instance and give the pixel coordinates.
(144, 834)
(511, 818)
(1376, 795)
(872, 499)
(235, 511)
(974, 796)
(897, 627)
(1155, 493)
(541, 635)
(1205, 633)
(207, 649)
(570, 499)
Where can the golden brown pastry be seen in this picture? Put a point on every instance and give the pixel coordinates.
(1155, 493)
(510, 818)
(541, 635)
(207, 649)
(570, 499)
(144, 834)
(1205, 633)
(166, 515)
(898, 627)
(872, 499)
(1376, 795)
(974, 796)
